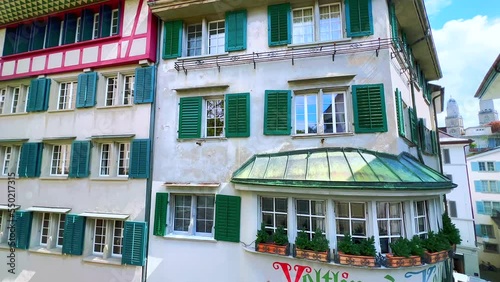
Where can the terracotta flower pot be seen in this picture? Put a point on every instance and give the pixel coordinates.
(272, 248)
(393, 261)
(356, 260)
(436, 257)
(312, 255)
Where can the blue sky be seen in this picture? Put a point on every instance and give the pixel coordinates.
(467, 38)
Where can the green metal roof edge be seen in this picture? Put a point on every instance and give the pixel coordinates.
(348, 185)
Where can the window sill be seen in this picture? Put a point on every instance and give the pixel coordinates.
(6, 177)
(96, 259)
(199, 141)
(114, 107)
(112, 178)
(190, 238)
(5, 246)
(305, 136)
(60, 111)
(44, 250)
(201, 57)
(318, 43)
(65, 177)
(14, 114)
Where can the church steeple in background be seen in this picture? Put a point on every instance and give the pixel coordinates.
(487, 112)
(454, 122)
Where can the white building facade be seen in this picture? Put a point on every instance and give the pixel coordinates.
(484, 171)
(459, 201)
(76, 94)
(305, 115)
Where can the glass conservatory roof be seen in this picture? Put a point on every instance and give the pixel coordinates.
(340, 168)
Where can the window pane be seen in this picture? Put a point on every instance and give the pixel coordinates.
(216, 37)
(182, 214)
(194, 39)
(204, 214)
(99, 235)
(358, 210)
(342, 209)
(303, 25)
(330, 23)
(214, 117)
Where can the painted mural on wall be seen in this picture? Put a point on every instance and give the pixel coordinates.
(304, 273)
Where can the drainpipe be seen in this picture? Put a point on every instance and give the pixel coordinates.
(149, 181)
(439, 144)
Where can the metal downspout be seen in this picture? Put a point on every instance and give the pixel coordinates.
(149, 182)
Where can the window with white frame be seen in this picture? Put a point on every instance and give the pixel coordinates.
(78, 30)
(490, 186)
(214, 117)
(421, 218)
(486, 166)
(107, 237)
(320, 113)
(390, 223)
(59, 163)
(115, 22)
(95, 32)
(119, 90)
(486, 230)
(67, 94)
(192, 214)
(114, 159)
(351, 219)
(274, 213)
(205, 37)
(321, 22)
(4, 223)
(50, 228)
(489, 207)
(9, 155)
(13, 99)
(311, 216)
(490, 247)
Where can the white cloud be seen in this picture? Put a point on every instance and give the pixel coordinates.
(434, 6)
(466, 50)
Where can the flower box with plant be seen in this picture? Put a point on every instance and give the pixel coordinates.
(361, 253)
(405, 252)
(276, 243)
(436, 246)
(315, 249)
(450, 231)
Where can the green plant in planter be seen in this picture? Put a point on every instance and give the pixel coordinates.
(367, 247)
(450, 231)
(401, 248)
(280, 237)
(347, 246)
(436, 242)
(302, 240)
(262, 235)
(319, 243)
(416, 246)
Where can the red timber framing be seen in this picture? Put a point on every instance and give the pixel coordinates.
(131, 43)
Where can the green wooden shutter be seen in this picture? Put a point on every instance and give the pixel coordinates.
(30, 160)
(478, 230)
(105, 21)
(80, 156)
(420, 128)
(53, 32)
(69, 29)
(475, 166)
(434, 142)
(399, 112)
(190, 117)
(139, 158)
(86, 92)
(23, 229)
(394, 25)
(413, 125)
(87, 24)
(480, 207)
(238, 115)
(369, 108)
(23, 38)
(9, 44)
(38, 98)
(279, 24)
(37, 35)
(160, 214)
(478, 185)
(32, 96)
(74, 233)
(497, 166)
(172, 39)
(359, 17)
(144, 88)
(227, 218)
(277, 112)
(236, 31)
(134, 243)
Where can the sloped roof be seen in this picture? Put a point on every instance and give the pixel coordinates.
(18, 10)
(340, 168)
